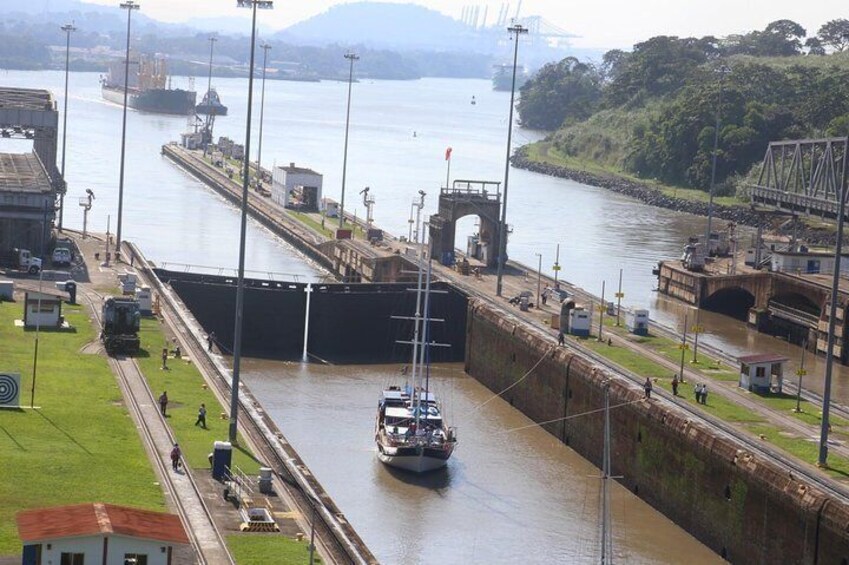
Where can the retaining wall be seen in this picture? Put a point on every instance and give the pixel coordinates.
(746, 508)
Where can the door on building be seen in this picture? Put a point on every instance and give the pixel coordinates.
(813, 266)
(32, 554)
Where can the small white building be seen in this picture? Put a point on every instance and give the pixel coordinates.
(42, 309)
(637, 322)
(293, 185)
(99, 533)
(807, 262)
(762, 373)
(579, 322)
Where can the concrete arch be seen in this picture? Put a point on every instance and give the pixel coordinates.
(734, 301)
(798, 301)
(466, 198)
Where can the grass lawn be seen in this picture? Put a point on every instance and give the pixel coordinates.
(186, 392)
(330, 224)
(261, 549)
(81, 444)
(803, 448)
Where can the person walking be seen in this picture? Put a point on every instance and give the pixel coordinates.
(675, 384)
(561, 339)
(704, 394)
(698, 391)
(163, 402)
(176, 453)
(544, 296)
(647, 386)
(201, 421)
(164, 358)
(210, 341)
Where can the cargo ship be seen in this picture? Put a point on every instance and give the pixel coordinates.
(148, 89)
(502, 78)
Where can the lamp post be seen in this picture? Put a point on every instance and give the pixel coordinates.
(67, 28)
(722, 70)
(351, 58)
(129, 5)
(516, 30)
(265, 47)
(539, 275)
(240, 283)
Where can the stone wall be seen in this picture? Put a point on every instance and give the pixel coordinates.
(746, 508)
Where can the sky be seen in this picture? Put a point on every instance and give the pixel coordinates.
(599, 24)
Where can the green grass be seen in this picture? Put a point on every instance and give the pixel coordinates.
(261, 549)
(802, 448)
(184, 384)
(81, 444)
(628, 359)
(330, 224)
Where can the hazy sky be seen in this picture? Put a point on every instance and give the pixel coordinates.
(599, 23)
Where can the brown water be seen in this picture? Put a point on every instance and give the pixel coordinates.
(506, 496)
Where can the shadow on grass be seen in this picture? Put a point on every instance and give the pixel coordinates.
(52, 330)
(66, 434)
(249, 455)
(12, 438)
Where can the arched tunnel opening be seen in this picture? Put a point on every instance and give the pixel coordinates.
(791, 316)
(734, 302)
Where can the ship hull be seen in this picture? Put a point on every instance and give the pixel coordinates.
(416, 460)
(217, 109)
(158, 101)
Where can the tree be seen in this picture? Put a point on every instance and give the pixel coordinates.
(814, 46)
(835, 34)
(566, 91)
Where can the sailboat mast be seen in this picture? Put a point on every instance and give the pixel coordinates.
(417, 318)
(425, 323)
(606, 535)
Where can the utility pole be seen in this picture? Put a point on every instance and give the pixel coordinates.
(265, 47)
(722, 70)
(129, 5)
(539, 276)
(801, 373)
(68, 29)
(683, 347)
(516, 30)
(619, 297)
(351, 58)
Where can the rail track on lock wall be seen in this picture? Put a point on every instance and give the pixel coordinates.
(335, 537)
(122, 365)
(725, 430)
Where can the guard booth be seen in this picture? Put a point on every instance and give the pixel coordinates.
(637, 322)
(762, 373)
(579, 322)
(42, 309)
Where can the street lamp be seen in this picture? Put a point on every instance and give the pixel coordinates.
(722, 70)
(351, 57)
(539, 275)
(240, 283)
(129, 5)
(265, 47)
(516, 30)
(67, 28)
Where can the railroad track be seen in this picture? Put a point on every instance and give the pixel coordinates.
(722, 428)
(122, 366)
(338, 542)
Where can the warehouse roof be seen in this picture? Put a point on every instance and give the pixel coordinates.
(26, 99)
(23, 172)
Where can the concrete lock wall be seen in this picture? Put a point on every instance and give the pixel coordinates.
(747, 509)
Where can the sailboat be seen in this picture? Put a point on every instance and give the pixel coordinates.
(410, 431)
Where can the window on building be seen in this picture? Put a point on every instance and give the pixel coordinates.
(135, 559)
(72, 559)
(760, 372)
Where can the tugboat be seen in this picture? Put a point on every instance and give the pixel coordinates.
(147, 90)
(211, 104)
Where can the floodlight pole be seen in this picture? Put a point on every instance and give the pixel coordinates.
(67, 28)
(265, 47)
(129, 5)
(832, 312)
(351, 57)
(723, 70)
(240, 284)
(516, 30)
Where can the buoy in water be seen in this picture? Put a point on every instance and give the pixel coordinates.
(473, 101)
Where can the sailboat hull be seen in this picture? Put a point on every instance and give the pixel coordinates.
(413, 459)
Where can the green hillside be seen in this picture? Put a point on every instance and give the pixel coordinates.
(651, 113)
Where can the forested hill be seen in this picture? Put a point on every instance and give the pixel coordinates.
(652, 112)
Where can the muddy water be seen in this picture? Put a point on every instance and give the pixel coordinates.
(507, 496)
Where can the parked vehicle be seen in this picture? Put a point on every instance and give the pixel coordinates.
(21, 260)
(62, 256)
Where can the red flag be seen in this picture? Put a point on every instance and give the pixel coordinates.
(448, 154)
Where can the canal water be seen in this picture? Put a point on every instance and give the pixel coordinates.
(515, 494)
(511, 493)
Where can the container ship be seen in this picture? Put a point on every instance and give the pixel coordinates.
(502, 78)
(148, 88)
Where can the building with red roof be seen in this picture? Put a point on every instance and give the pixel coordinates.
(96, 533)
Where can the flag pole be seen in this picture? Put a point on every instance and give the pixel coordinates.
(448, 168)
